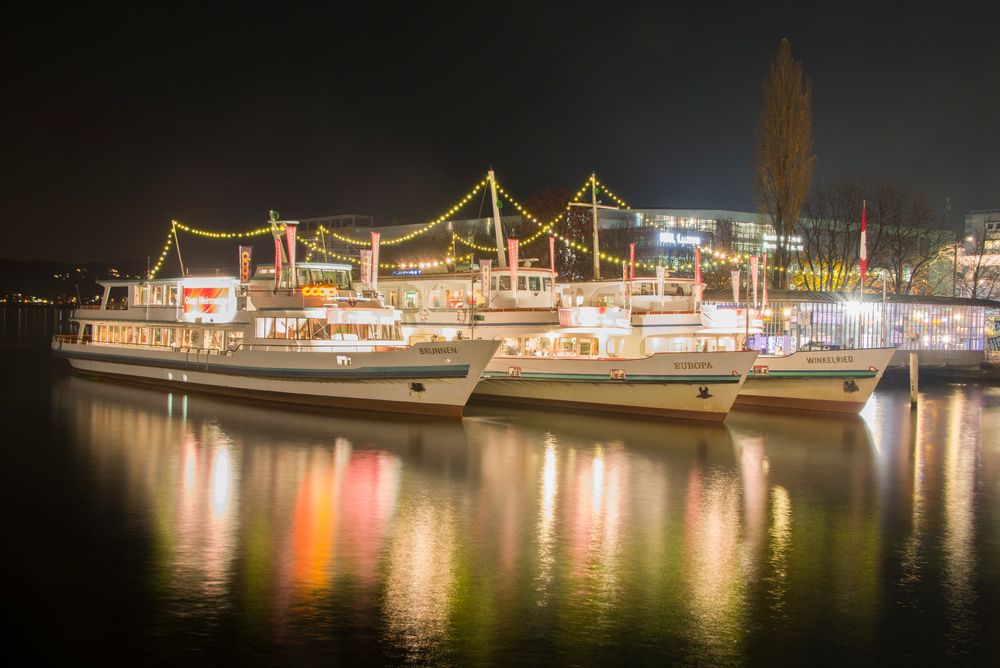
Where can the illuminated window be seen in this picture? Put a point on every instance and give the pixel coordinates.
(511, 346)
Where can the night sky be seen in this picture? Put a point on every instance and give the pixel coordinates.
(114, 122)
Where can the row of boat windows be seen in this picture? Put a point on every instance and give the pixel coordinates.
(562, 346)
(587, 346)
(167, 337)
(155, 295)
(320, 329)
(404, 298)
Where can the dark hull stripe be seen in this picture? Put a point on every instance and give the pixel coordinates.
(347, 374)
(813, 374)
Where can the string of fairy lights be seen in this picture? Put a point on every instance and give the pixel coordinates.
(710, 259)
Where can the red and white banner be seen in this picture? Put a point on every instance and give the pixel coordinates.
(735, 276)
(697, 274)
(512, 258)
(661, 274)
(246, 262)
(552, 265)
(277, 261)
(764, 278)
(631, 262)
(376, 236)
(290, 234)
(485, 269)
(754, 261)
(864, 244)
(366, 268)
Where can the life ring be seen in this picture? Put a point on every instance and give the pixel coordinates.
(423, 314)
(460, 316)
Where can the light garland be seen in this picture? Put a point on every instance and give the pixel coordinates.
(598, 184)
(260, 231)
(406, 237)
(163, 256)
(448, 259)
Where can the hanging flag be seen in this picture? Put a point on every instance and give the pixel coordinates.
(754, 260)
(512, 258)
(552, 265)
(366, 268)
(661, 273)
(697, 274)
(246, 259)
(625, 284)
(735, 276)
(277, 261)
(764, 278)
(290, 234)
(631, 262)
(485, 266)
(864, 245)
(376, 236)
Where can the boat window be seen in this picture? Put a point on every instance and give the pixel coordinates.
(588, 346)
(172, 295)
(435, 298)
(393, 297)
(158, 293)
(535, 283)
(118, 297)
(546, 284)
(615, 346)
(318, 329)
(212, 339)
(606, 300)
(538, 346)
(411, 299)
(234, 340)
(303, 329)
(522, 283)
(566, 345)
(644, 289)
(144, 336)
(141, 295)
(503, 282)
(511, 346)
(456, 298)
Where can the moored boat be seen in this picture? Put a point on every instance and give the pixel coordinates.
(307, 338)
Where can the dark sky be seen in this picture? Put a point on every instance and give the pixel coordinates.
(116, 121)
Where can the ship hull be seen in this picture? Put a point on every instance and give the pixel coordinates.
(697, 386)
(428, 379)
(837, 381)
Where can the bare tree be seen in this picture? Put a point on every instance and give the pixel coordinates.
(784, 149)
(910, 244)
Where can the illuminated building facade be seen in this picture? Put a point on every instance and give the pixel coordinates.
(943, 330)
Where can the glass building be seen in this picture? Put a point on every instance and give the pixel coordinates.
(942, 329)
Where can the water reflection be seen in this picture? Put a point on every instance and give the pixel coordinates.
(539, 536)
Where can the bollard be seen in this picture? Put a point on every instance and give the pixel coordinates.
(914, 378)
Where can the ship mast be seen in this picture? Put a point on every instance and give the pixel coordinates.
(497, 227)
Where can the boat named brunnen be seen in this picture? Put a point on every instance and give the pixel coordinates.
(308, 338)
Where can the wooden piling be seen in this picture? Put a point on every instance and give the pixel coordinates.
(914, 378)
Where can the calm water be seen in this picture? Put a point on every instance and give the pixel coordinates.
(162, 528)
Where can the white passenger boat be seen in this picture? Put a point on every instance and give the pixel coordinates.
(311, 340)
(831, 381)
(556, 353)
